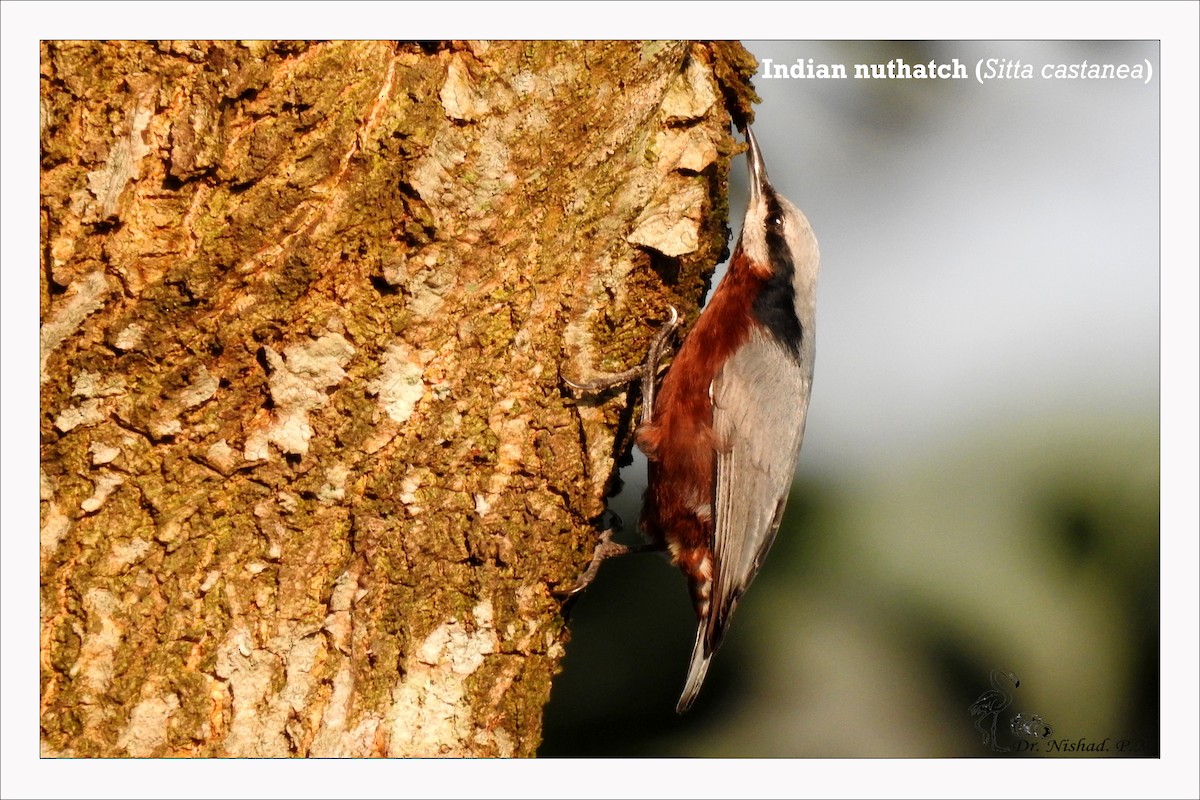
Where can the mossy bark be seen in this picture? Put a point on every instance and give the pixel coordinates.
(309, 476)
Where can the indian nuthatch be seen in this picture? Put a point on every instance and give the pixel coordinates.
(723, 431)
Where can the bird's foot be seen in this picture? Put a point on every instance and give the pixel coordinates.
(605, 550)
(647, 372)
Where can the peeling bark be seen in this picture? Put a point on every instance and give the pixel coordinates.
(309, 476)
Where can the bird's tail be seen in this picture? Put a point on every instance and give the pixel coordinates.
(696, 672)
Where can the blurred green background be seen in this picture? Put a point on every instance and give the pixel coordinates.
(979, 485)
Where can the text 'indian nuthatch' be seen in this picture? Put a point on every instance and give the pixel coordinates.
(723, 431)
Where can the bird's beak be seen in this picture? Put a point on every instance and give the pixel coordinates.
(759, 183)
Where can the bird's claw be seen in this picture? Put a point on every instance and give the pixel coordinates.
(607, 380)
(606, 549)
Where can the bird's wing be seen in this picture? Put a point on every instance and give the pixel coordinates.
(760, 401)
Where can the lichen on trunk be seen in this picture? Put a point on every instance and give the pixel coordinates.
(309, 476)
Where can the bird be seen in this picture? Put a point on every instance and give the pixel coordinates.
(990, 704)
(722, 431)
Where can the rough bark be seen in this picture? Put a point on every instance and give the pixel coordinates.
(309, 474)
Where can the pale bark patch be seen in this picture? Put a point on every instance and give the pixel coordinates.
(105, 485)
(399, 385)
(130, 337)
(54, 528)
(248, 673)
(338, 622)
(298, 383)
(90, 384)
(103, 453)
(147, 728)
(690, 149)
(123, 164)
(202, 388)
(97, 654)
(88, 413)
(427, 703)
(221, 457)
(331, 740)
(83, 298)
(691, 94)
(123, 554)
(459, 97)
(670, 224)
(334, 489)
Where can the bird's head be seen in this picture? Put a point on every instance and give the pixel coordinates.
(776, 238)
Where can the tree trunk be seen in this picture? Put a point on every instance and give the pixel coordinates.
(309, 474)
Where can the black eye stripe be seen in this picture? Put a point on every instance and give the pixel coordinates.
(774, 215)
(775, 306)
